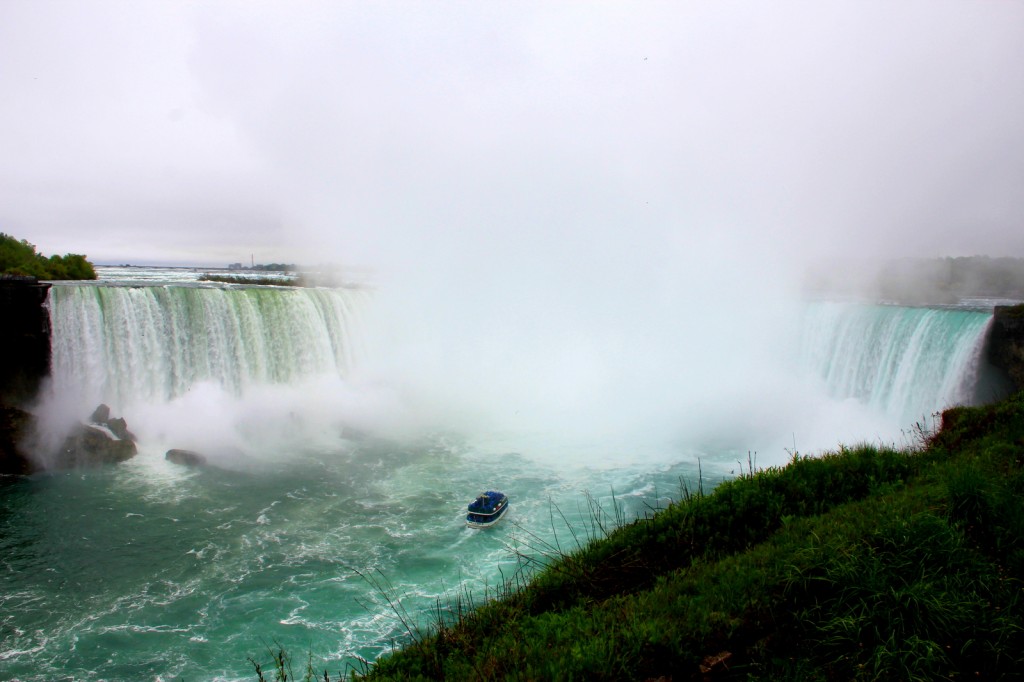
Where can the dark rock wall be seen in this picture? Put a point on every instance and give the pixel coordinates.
(24, 363)
(1005, 349)
(15, 426)
(24, 339)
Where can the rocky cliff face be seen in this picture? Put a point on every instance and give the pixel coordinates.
(1006, 343)
(24, 363)
(15, 426)
(24, 338)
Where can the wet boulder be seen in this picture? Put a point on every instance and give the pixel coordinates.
(105, 440)
(15, 426)
(118, 426)
(90, 445)
(101, 414)
(185, 458)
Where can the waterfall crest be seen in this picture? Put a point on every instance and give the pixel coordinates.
(135, 346)
(907, 362)
(122, 344)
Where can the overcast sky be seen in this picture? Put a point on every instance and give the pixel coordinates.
(496, 133)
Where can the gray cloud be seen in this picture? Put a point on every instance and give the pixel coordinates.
(388, 133)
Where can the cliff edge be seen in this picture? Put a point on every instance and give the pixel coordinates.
(24, 338)
(1005, 345)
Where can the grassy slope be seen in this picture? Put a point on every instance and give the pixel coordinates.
(863, 564)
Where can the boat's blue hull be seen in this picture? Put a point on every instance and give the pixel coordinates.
(487, 510)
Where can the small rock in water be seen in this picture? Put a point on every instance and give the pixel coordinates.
(185, 457)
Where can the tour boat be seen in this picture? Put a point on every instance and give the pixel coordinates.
(487, 509)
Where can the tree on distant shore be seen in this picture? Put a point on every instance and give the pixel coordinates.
(916, 281)
(18, 257)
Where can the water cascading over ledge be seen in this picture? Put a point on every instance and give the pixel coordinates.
(118, 344)
(130, 345)
(906, 362)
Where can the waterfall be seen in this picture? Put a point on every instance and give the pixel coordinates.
(122, 344)
(136, 347)
(906, 362)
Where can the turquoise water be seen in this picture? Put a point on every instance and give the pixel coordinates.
(153, 571)
(323, 507)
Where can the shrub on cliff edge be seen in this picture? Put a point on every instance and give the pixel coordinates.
(18, 257)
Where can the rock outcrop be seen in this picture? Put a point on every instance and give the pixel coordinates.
(118, 426)
(185, 458)
(104, 441)
(24, 363)
(15, 426)
(89, 446)
(1006, 343)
